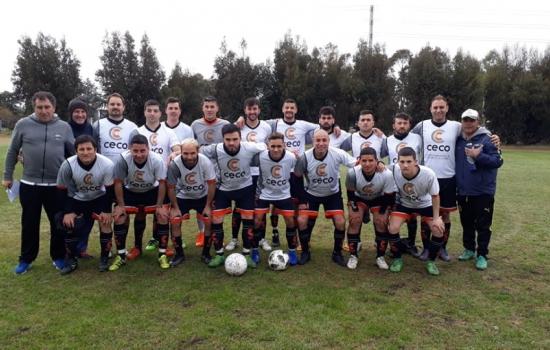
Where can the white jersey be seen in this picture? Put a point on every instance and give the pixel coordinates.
(140, 178)
(191, 183)
(417, 192)
(323, 175)
(113, 137)
(258, 134)
(161, 140)
(182, 130)
(336, 141)
(438, 146)
(274, 180)
(207, 133)
(85, 184)
(369, 189)
(295, 133)
(392, 145)
(233, 170)
(356, 142)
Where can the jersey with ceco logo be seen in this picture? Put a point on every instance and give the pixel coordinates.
(274, 180)
(191, 183)
(113, 137)
(140, 178)
(85, 185)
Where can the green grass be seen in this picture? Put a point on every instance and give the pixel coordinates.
(319, 305)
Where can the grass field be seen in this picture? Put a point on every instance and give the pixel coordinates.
(319, 305)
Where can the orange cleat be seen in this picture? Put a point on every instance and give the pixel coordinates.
(169, 252)
(199, 241)
(133, 254)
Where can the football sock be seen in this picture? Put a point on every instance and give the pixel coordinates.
(435, 245)
(105, 243)
(177, 242)
(235, 224)
(353, 240)
(120, 232)
(139, 228)
(446, 234)
(395, 245)
(291, 238)
(217, 238)
(339, 236)
(381, 243)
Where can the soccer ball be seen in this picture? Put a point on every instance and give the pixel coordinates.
(278, 260)
(235, 264)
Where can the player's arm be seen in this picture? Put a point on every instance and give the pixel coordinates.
(346, 144)
(11, 155)
(350, 189)
(486, 156)
(437, 222)
(209, 197)
(173, 174)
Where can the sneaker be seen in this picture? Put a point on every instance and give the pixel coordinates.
(163, 262)
(206, 258)
(233, 243)
(133, 254)
(292, 257)
(70, 265)
(275, 241)
(481, 262)
(255, 255)
(444, 255)
(59, 264)
(264, 244)
(352, 262)
(305, 257)
(338, 258)
(177, 259)
(467, 255)
(216, 261)
(22, 268)
(169, 252)
(425, 255)
(381, 263)
(250, 262)
(432, 268)
(103, 264)
(152, 245)
(396, 265)
(117, 263)
(199, 241)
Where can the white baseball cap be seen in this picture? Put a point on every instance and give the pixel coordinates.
(470, 113)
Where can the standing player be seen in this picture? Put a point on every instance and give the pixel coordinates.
(418, 195)
(191, 185)
(365, 137)
(327, 122)
(369, 190)
(320, 166)
(173, 122)
(232, 159)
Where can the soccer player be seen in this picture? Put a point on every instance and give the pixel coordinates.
(45, 141)
(369, 190)
(139, 178)
(365, 137)
(477, 163)
(276, 166)
(191, 186)
(232, 159)
(418, 195)
(320, 166)
(85, 181)
(327, 122)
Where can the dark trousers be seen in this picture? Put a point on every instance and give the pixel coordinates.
(32, 199)
(476, 215)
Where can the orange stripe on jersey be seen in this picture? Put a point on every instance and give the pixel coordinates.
(332, 213)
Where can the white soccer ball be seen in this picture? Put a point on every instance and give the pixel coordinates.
(278, 260)
(235, 264)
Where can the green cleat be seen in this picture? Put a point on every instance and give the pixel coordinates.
(432, 269)
(467, 255)
(481, 262)
(117, 264)
(152, 245)
(396, 265)
(249, 262)
(216, 261)
(164, 262)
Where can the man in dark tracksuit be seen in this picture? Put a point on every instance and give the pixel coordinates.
(477, 161)
(45, 141)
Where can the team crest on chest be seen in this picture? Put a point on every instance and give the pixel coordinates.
(191, 178)
(88, 179)
(276, 171)
(209, 136)
(290, 133)
(437, 136)
(233, 164)
(114, 132)
(138, 176)
(251, 137)
(153, 139)
(321, 169)
(368, 189)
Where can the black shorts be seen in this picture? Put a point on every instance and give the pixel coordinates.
(447, 194)
(186, 205)
(97, 206)
(372, 205)
(285, 207)
(137, 199)
(332, 204)
(408, 213)
(243, 198)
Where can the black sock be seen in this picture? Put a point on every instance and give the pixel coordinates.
(353, 240)
(305, 236)
(381, 243)
(395, 245)
(105, 243)
(163, 238)
(248, 234)
(291, 238)
(446, 234)
(155, 229)
(177, 242)
(71, 244)
(207, 245)
(339, 236)
(235, 224)
(435, 245)
(412, 226)
(217, 237)
(139, 228)
(120, 232)
(425, 234)
(274, 219)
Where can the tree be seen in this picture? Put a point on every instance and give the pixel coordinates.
(465, 90)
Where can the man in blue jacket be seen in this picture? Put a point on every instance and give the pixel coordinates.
(477, 162)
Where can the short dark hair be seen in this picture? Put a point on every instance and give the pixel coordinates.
(139, 139)
(367, 111)
(151, 103)
(406, 152)
(251, 101)
(402, 115)
(368, 151)
(439, 97)
(276, 136)
(327, 110)
(172, 100)
(209, 99)
(116, 94)
(84, 139)
(44, 95)
(230, 128)
(290, 100)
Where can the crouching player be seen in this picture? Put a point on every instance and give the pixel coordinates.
(85, 182)
(418, 195)
(276, 166)
(140, 188)
(369, 190)
(193, 176)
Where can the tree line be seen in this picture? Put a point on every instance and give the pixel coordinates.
(510, 87)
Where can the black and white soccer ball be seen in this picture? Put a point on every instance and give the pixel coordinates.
(235, 264)
(278, 260)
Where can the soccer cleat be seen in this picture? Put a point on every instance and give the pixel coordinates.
(199, 241)
(338, 259)
(22, 268)
(152, 245)
(70, 265)
(59, 264)
(352, 262)
(466, 255)
(103, 264)
(117, 263)
(264, 244)
(305, 257)
(206, 258)
(396, 265)
(275, 241)
(133, 254)
(481, 262)
(177, 259)
(444, 255)
(381, 263)
(432, 268)
(169, 252)
(425, 255)
(255, 255)
(233, 243)
(216, 261)
(250, 262)
(163, 262)
(292, 257)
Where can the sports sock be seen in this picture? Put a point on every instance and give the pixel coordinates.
(163, 238)
(291, 238)
(353, 240)
(425, 234)
(381, 243)
(412, 226)
(235, 224)
(435, 245)
(305, 236)
(177, 242)
(446, 234)
(139, 228)
(248, 234)
(339, 236)
(120, 232)
(395, 245)
(105, 243)
(217, 238)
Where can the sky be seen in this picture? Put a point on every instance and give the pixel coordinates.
(190, 32)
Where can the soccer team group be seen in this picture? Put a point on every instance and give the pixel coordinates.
(249, 169)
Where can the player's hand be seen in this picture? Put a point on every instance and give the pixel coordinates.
(240, 122)
(162, 212)
(207, 212)
(353, 206)
(68, 220)
(105, 218)
(174, 213)
(378, 132)
(337, 131)
(473, 152)
(437, 225)
(495, 140)
(7, 183)
(380, 167)
(119, 212)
